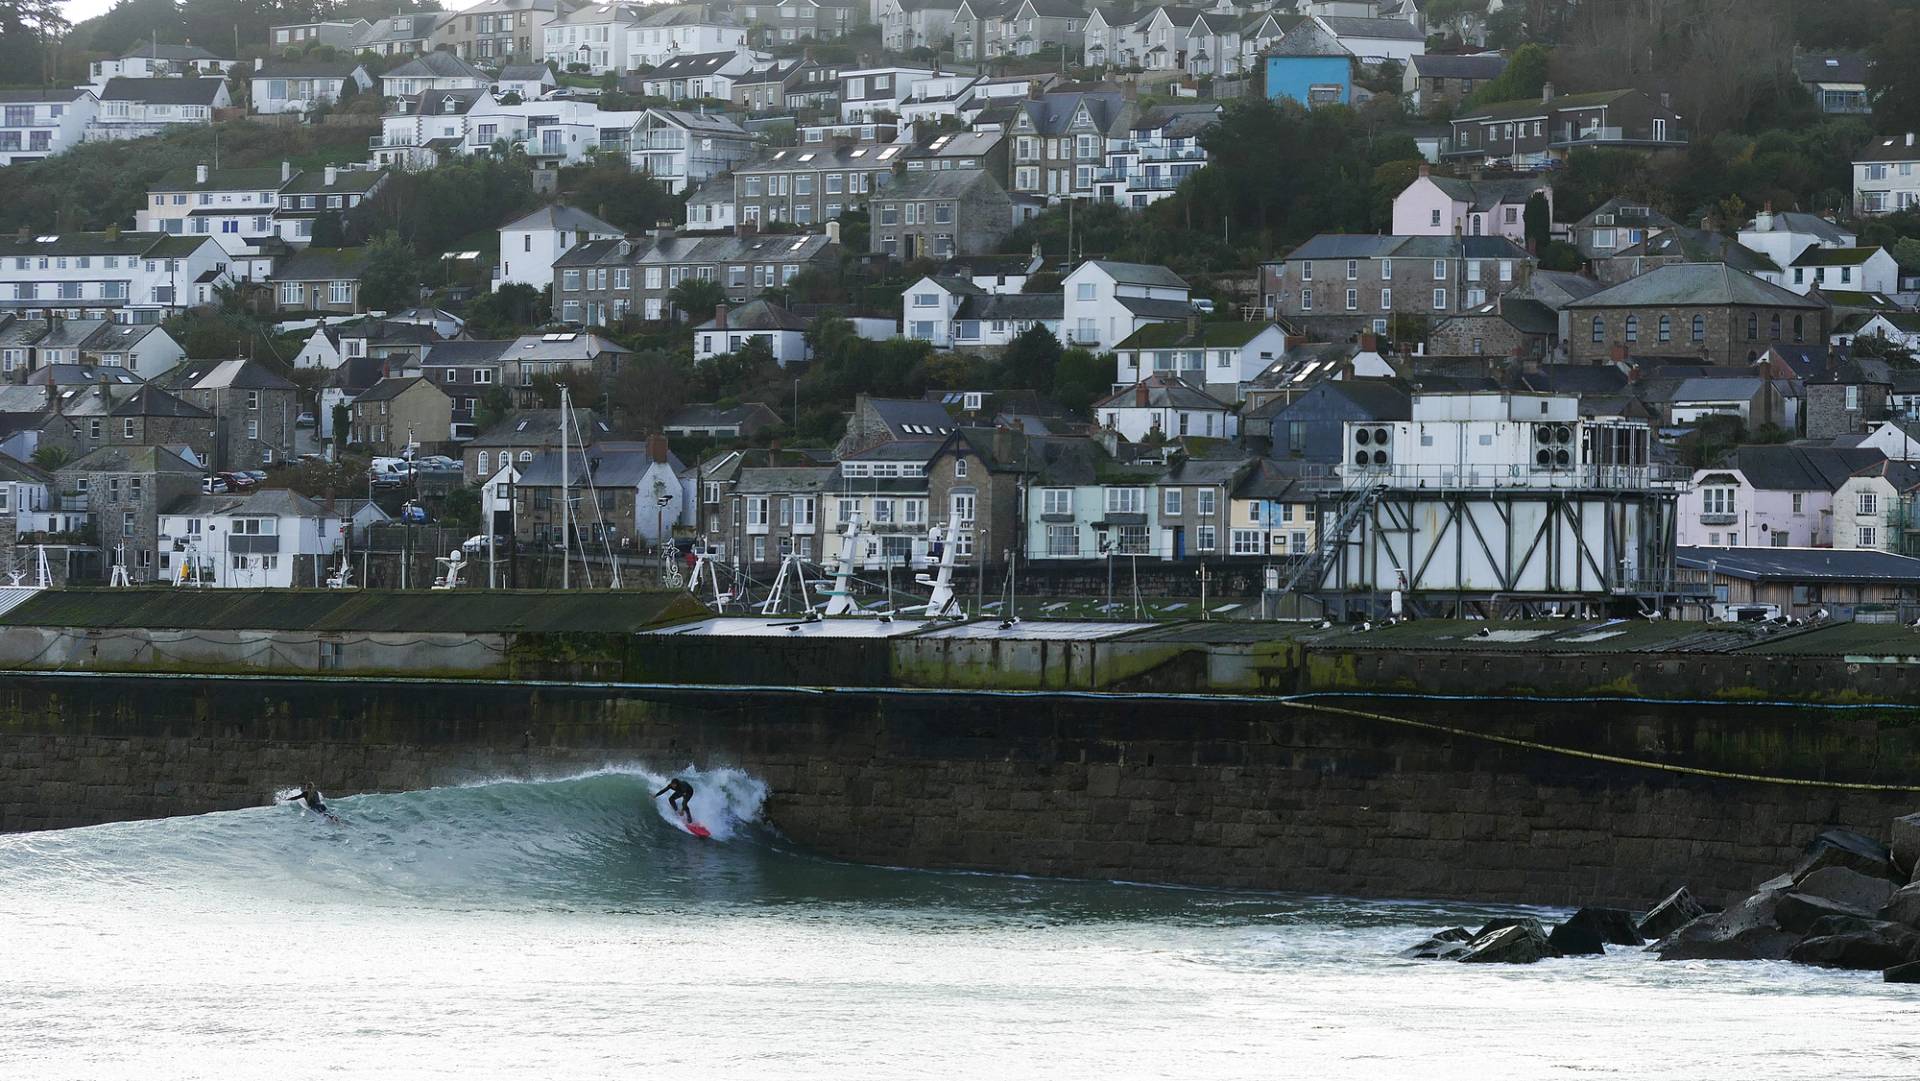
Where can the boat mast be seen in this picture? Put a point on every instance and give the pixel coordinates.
(566, 500)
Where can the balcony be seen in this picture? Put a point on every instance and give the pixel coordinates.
(1520, 477)
(251, 544)
(1140, 181)
(381, 142)
(1602, 136)
(1719, 519)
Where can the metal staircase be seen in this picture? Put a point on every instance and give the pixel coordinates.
(1330, 540)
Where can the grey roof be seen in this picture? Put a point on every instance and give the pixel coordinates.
(466, 352)
(129, 458)
(345, 181)
(1014, 307)
(525, 73)
(537, 428)
(708, 415)
(277, 68)
(912, 418)
(606, 464)
(1891, 148)
(1440, 66)
(759, 315)
(706, 123)
(151, 401)
(1155, 307)
(167, 51)
(242, 374)
(264, 502)
(1707, 388)
(19, 95)
(1802, 564)
(690, 64)
(562, 216)
(1831, 68)
(1799, 221)
(1163, 392)
(1785, 467)
(391, 387)
(1138, 273)
(804, 478)
(1385, 29)
(1052, 113)
(1698, 246)
(179, 91)
(1697, 284)
(321, 264)
(575, 345)
(1486, 194)
(942, 184)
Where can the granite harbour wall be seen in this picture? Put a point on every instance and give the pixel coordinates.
(1256, 793)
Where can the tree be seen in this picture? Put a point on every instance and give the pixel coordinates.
(696, 298)
(51, 457)
(610, 190)
(1081, 378)
(1526, 74)
(1538, 220)
(1893, 79)
(327, 230)
(1030, 360)
(390, 276)
(510, 310)
(648, 389)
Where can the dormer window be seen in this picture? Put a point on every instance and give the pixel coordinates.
(446, 106)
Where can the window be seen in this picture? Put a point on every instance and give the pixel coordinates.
(959, 468)
(1633, 328)
(1717, 500)
(1853, 398)
(1699, 328)
(1306, 300)
(1353, 270)
(1439, 270)
(1248, 542)
(1063, 540)
(1126, 500)
(1869, 504)
(1797, 504)
(1753, 326)
(1084, 291)
(1868, 536)
(1386, 300)
(1439, 300)
(1056, 501)
(1172, 501)
(1666, 329)
(1203, 502)
(1204, 538)
(1353, 300)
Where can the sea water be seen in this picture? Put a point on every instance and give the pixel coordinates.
(569, 929)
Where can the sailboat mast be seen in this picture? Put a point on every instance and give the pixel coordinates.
(566, 501)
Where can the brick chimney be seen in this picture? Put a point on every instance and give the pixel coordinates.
(1003, 443)
(1369, 343)
(1425, 169)
(720, 317)
(1140, 394)
(657, 448)
(1617, 353)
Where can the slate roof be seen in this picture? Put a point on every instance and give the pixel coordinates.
(1138, 274)
(438, 64)
(1697, 284)
(264, 179)
(1052, 113)
(1699, 246)
(1831, 68)
(1163, 392)
(127, 458)
(525, 73)
(17, 96)
(1799, 221)
(759, 314)
(392, 387)
(537, 428)
(562, 216)
(941, 184)
(244, 374)
(708, 415)
(465, 352)
(1487, 194)
(1891, 148)
(1788, 468)
(1212, 335)
(1818, 256)
(1014, 307)
(151, 401)
(279, 68)
(690, 65)
(1382, 29)
(912, 418)
(1802, 564)
(610, 465)
(1440, 66)
(167, 51)
(345, 182)
(180, 91)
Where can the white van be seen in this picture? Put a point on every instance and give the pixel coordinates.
(390, 472)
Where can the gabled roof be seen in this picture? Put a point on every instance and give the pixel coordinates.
(1149, 274)
(242, 374)
(278, 68)
(1831, 68)
(1442, 66)
(911, 418)
(560, 216)
(709, 415)
(1487, 194)
(129, 458)
(1163, 391)
(538, 428)
(1784, 468)
(151, 401)
(1053, 113)
(526, 73)
(182, 91)
(1891, 148)
(167, 51)
(1699, 246)
(18, 96)
(1801, 222)
(460, 353)
(1818, 256)
(1379, 29)
(759, 314)
(943, 183)
(1703, 284)
(1210, 335)
(1014, 307)
(690, 65)
(392, 387)
(265, 179)
(345, 182)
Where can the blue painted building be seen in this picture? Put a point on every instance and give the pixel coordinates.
(1310, 66)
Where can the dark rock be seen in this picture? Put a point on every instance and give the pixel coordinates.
(1443, 946)
(1848, 888)
(1777, 882)
(1670, 915)
(1907, 973)
(1882, 946)
(1903, 906)
(1520, 943)
(1797, 912)
(1746, 932)
(1574, 939)
(1614, 925)
(1844, 848)
(1906, 845)
(1841, 925)
(1503, 922)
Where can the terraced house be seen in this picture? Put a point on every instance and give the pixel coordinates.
(499, 31)
(1532, 134)
(132, 277)
(1060, 142)
(35, 124)
(1337, 285)
(601, 282)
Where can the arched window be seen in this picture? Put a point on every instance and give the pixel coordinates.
(1666, 329)
(1599, 329)
(1773, 327)
(1753, 326)
(1699, 328)
(1799, 328)
(481, 466)
(525, 455)
(1633, 328)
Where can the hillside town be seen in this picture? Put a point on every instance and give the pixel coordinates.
(877, 287)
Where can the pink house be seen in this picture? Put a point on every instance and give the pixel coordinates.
(1444, 206)
(1773, 496)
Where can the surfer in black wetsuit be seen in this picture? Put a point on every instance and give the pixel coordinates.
(681, 798)
(310, 796)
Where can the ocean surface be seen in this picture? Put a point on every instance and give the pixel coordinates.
(568, 929)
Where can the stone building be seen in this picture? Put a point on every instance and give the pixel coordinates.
(810, 185)
(254, 409)
(1507, 326)
(124, 488)
(973, 489)
(1704, 311)
(1338, 285)
(940, 215)
(601, 282)
(1846, 399)
(152, 417)
(395, 412)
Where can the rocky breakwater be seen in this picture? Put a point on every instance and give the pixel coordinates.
(1851, 902)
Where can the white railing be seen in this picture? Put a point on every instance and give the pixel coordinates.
(1505, 477)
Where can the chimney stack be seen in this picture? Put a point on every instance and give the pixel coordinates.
(719, 317)
(200, 173)
(1618, 353)
(332, 174)
(1140, 394)
(1546, 92)
(1369, 343)
(1425, 169)
(286, 171)
(657, 448)
(833, 231)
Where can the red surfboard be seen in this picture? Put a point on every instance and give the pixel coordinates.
(697, 829)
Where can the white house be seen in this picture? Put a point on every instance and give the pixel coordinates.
(235, 207)
(1899, 328)
(37, 124)
(528, 81)
(680, 30)
(161, 61)
(420, 129)
(1374, 40)
(994, 320)
(131, 277)
(867, 92)
(695, 76)
(298, 86)
(1853, 270)
(248, 541)
(1220, 358)
(1106, 301)
(1784, 235)
(711, 209)
(1001, 274)
(307, 195)
(136, 108)
(433, 71)
(1167, 406)
(145, 349)
(593, 38)
(1884, 176)
(684, 149)
(529, 245)
(928, 308)
(1162, 149)
(23, 498)
(1875, 505)
(779, 329)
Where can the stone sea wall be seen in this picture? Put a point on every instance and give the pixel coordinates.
(1253, 793)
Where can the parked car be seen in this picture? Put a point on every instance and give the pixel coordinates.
(306, 419)
(1203, 304)
(436, 463)
(413, 512)
(213, 485)
(477, 544)
(237, 481)
(389, 472)
(258, 475)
